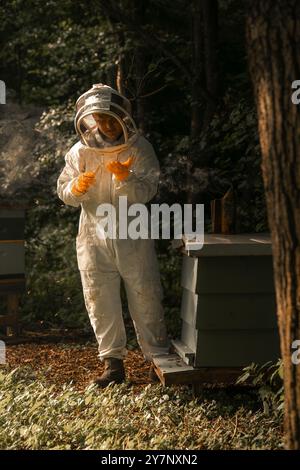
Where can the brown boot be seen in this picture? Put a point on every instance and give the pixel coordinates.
(113, 372)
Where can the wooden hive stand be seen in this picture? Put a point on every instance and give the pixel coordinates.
(12, 268)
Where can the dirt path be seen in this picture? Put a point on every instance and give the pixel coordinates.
(63, 363)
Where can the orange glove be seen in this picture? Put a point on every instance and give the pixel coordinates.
(120, 170)
(83, 183)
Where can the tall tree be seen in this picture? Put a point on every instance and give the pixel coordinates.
(197, 67)
(273, 36)
(204, 76)
(203, 81)
(138, 12)
(210, 33)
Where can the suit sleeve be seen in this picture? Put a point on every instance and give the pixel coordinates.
(66, 180)
(141, 184)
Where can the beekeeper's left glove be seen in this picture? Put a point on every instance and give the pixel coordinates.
(120, 170)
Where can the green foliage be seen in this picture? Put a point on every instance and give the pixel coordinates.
(230, 155)
(36, 416)
(52, 52)
(268, 379)
(233, 140)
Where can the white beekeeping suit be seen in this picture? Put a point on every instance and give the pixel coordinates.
(103, 262)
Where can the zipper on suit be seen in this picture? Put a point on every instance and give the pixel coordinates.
(111, 201)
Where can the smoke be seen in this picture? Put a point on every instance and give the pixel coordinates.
(17, 141)
(180, 175)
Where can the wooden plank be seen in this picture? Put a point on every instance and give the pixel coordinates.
(8, 320)
(15, 242)
(12, 285)
(183, 351)
(17, 339)
(189, 273)
(11, 258)
(236, 348)
(189, 336)
(234, 311)
(228, 311)
(172, 370)
(12, 228)
(253, 244)
(12, 278)
(13, 213)
(12, 319)
(189, 307)
(234, 274)
(12, 303)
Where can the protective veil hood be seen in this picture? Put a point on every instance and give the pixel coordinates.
(105, 100)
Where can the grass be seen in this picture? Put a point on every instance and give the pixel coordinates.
(37, 415)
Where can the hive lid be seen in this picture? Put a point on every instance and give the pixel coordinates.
(244, 244)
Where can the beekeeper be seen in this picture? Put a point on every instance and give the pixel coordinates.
(111, 160)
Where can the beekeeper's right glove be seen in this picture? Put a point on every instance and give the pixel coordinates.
(83, 183)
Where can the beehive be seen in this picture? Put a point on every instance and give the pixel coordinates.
(12, 264)
(228, 307)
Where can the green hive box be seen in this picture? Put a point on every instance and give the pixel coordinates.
(12, 264)
(228, 307)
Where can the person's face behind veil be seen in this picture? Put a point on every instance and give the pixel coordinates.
(109, 127)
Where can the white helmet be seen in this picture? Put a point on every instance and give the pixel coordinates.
(105, 100)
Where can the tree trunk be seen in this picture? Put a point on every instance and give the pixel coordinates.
(210, 28)
(204, 76)
(112, 70)
(273, 36)
(197, 67)
(204, 64)
(120, 74)
(140, 69)
(111, 76)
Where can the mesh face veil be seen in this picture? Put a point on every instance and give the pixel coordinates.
(104, 100)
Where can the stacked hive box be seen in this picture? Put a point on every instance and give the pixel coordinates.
(228, 305)
(12, 277)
